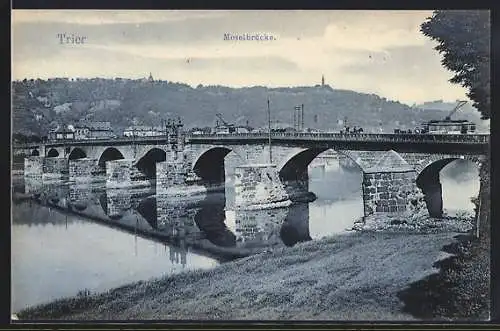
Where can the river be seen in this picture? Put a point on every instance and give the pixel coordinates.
(78, 238)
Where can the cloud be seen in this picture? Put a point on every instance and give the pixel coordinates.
(337, 46)
(410, 74)
(98, 17)
(372, 38)
(379, 52)
(304, 53)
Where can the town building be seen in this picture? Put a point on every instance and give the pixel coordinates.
(168, 127)
(61, 133)
(144, 131)
(93, 130)
(82, 131)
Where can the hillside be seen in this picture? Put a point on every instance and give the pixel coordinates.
(39, 105)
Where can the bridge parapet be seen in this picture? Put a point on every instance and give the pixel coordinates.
(321, 136)
(290, 136)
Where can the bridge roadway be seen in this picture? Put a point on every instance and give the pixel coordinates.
(360, 141)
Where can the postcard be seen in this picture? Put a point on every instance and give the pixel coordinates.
(265, 165)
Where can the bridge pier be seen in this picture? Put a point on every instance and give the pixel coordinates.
(119, 173)
(55, 167)
(296, 225)
(170, 178)
(46, 167)
(431, 187)
(33, 184)
(258, 186)
(390, 192)
(82, 170)
(33, 166)
(175, 218)
(117, 203)
(259, 226)
(79, 196)
(54, 193)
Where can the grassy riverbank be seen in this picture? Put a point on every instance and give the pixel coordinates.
(461, 290)
(356, 276)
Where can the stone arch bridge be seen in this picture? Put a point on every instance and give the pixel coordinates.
(397, 169)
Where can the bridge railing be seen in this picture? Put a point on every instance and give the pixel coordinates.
(382, 137)
(61, 142)
(315, 136)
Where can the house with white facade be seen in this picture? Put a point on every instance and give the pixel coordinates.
(144, 131)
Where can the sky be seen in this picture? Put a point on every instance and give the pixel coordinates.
(380, 52)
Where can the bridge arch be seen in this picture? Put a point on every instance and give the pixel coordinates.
(77, 153)
(452, 157)
(294, 166)
(35, 152)
(428, 180)
(209, 165)
(109, 154)
(53, 153)
(147, 163)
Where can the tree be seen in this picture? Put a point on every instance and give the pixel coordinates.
(463, 38)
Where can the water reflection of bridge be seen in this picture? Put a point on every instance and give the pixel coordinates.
(277, 226)
(199, 224)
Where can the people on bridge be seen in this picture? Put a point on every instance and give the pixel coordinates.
(353, 130)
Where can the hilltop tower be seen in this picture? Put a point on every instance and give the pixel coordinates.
(322, 80)
(150, 78)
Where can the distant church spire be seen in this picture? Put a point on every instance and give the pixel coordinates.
(322, 80)
(151, 77)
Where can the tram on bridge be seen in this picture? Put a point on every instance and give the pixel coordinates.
(449, 126)
(444, 126)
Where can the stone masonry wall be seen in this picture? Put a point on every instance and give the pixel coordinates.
(176, 219)
(82, 169)
(171, 180)
(118, 173)
(118, 201)
(169, 174)
(33, 166)
(55, 166)
(79, 194)
(389, 192)
(258, 185)
(259, 225)
(33, 184)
